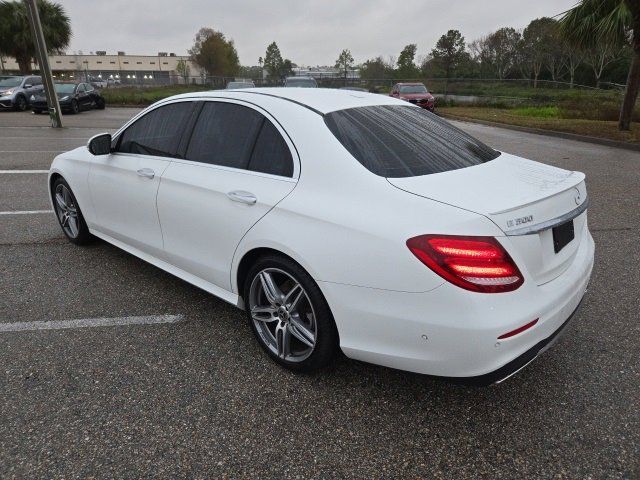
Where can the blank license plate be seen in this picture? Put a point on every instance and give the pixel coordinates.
(562, 235)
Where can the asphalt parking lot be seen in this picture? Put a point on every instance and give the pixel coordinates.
(195, 397)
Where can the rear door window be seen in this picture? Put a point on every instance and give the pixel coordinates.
(403, 141)
(158, 132)
(224, 135)
(271, 153)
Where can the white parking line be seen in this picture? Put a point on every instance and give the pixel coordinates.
(88, 323)
(24, 171)
(51, 138)
(26, 212)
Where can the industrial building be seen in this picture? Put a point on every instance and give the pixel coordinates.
(162, 68)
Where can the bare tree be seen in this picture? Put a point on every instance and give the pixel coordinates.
(574, 57)
(598, 57)
(480, 53)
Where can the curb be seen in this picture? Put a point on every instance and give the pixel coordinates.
(550, 133)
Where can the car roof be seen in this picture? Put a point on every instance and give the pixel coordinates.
(320, 100)
(410, 83)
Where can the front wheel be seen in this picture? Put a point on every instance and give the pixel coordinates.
(21, 103)
(289, 315)
(69, 214)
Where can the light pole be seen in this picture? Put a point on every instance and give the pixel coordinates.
(43, 61)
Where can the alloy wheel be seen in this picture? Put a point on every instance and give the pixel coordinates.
(283, 315)
(67, 211)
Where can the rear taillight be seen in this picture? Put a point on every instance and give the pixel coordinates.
(479, 264)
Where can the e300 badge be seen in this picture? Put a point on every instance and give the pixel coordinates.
(519, 221)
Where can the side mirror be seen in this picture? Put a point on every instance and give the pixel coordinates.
(27, 85)
(100, 144)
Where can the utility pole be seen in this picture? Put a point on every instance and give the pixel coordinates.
(43, 61)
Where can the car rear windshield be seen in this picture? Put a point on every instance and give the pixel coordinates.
(405, 141)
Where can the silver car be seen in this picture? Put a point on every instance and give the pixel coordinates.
(16, 91)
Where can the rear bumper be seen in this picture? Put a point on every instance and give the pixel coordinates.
(518, 363)
(450, 332)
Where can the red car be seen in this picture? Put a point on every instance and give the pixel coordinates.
(414, 93)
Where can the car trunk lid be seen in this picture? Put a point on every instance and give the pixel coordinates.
(525, 199)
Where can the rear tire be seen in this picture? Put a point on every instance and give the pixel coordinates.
(289, 316)
(100, 104)
(75, 107)
(69, 214)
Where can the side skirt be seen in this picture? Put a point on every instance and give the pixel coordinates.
(173, 270)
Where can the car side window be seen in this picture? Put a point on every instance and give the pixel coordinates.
(224, 135)
(271, 153)
(89, 87)
(156, 133)
(37, 81)
(81, 88)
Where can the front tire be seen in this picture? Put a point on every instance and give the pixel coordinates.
(69, 214)
(21, 103)
(289, 316)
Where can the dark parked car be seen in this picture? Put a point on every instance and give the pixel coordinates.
(16, 91)
(73, 98)
(414, 93)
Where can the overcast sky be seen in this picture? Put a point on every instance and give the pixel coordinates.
(309, 32)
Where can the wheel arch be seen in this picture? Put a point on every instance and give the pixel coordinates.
(250, 256)
(52, 179)
(248, 259)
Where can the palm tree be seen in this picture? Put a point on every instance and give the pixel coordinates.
(15, 33)
(592, 23)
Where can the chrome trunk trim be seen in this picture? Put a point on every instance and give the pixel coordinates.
(554, 222)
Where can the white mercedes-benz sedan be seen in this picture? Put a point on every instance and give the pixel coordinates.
(344, 221)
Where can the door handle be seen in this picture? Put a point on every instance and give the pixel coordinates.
(242, 197)
(146, 173)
